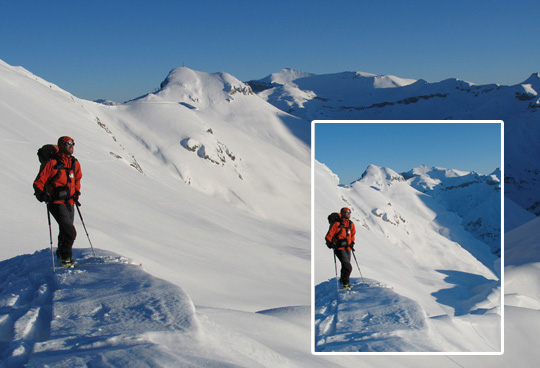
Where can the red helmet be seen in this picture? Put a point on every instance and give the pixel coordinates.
(63, 140)
(345, 210)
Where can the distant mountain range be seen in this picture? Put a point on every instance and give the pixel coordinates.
(364, 96)
(475, 198)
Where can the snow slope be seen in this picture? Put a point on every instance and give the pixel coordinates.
(455, 189)
(205, 126)
(147, 197)
(515, 215)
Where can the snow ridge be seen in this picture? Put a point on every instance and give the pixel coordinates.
(84, 315)
(368, 318)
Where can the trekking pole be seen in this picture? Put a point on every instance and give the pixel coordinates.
(88, 236)
(358, 267)
(50, 235)
(335, 265)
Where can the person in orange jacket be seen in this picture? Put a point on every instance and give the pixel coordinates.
(340, 237)
(58, 183)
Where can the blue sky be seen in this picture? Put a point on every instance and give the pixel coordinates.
(123, 49)
(348, 148)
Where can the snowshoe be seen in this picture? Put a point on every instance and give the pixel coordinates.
(68, 263)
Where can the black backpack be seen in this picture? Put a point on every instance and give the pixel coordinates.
(332, 219)
(50, 152)
(46, 153)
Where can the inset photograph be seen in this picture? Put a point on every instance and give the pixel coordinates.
(407, 237)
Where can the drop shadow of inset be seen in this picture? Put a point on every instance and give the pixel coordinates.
(469, 290)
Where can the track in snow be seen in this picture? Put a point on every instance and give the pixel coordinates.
(25, 307)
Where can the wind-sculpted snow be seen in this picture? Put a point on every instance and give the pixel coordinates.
(105, 312)
(368, 318)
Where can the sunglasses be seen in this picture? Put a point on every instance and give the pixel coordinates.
(70, 143)
(347, 212)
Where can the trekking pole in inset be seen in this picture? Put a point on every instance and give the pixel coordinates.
(88, 236)
(358, 267)
(335, 265)
(50, 235)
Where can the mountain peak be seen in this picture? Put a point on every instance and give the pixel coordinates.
(437, 172)
(291, 70)
(531, 86)
(380, 176)
(533, 79)
(184, 84)
(420, 170)
(285, 76)
(184, 75)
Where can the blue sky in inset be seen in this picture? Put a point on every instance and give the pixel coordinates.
(348, 148)
(122, 49)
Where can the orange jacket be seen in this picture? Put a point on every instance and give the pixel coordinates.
(341, 230)
(49, 178)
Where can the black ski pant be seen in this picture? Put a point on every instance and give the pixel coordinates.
(64, 215)
(344, 257)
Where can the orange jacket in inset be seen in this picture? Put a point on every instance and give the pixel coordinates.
(50, 177)
(341, 230)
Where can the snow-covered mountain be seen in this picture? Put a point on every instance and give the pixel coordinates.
(205, 187)
(210, 192)
(358, 95)
(364, 96)
(200, 126)
(202, 183)
(414, 233)
(211, 126)
(475, 198)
